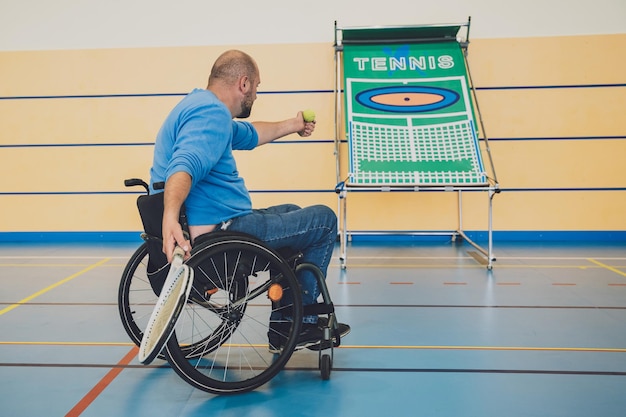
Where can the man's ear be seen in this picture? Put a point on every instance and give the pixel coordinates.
(244, 84)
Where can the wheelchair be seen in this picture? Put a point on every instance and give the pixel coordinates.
(244, 294)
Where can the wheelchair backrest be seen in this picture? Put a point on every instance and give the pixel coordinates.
(151, 212)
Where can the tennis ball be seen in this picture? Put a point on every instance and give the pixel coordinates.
(308, 115)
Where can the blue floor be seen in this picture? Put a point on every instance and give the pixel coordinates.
(434, 333)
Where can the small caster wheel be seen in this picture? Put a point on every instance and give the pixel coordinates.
(326, 364)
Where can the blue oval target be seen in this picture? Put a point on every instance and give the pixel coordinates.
(407, 99)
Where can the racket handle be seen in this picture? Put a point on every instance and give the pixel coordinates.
(178, 256)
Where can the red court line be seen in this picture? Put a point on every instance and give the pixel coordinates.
(102, 384)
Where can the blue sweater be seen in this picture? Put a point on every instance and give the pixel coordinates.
(198, 137)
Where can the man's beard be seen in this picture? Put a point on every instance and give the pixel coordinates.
(246, 108)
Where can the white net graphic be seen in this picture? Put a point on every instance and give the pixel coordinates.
(437, 154)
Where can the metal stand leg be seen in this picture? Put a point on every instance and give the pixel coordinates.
(488, 254)
(344, 230)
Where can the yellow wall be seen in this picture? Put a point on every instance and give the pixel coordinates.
(72, 180)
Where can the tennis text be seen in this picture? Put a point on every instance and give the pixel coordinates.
(404, 63)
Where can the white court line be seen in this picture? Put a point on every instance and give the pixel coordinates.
(69, 257)
(578, 258)
(556, 258)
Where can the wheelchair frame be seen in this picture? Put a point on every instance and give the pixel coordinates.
(243, 293)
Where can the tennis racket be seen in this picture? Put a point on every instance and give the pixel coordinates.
(171, 301)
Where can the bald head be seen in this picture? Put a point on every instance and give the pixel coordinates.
(232, 65)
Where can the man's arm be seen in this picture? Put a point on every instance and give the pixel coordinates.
(176, 190)
(270, 131)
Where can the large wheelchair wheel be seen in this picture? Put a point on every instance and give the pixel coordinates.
(250, 294)
(137, 298)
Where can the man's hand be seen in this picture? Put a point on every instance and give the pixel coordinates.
(176, 190)
(307, 128)
(172, 236)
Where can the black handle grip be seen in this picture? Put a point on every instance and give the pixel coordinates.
(132, 182)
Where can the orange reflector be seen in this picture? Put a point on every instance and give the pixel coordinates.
(275, 292)
(211, 291)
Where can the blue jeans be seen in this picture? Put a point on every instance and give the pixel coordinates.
(310, 230)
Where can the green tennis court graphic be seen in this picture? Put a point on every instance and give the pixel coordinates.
(409, 115)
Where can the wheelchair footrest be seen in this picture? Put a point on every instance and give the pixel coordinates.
(317, 309)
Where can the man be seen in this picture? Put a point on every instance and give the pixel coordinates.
(193, 156)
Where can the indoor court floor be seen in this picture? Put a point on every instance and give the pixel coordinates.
(434, 333)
